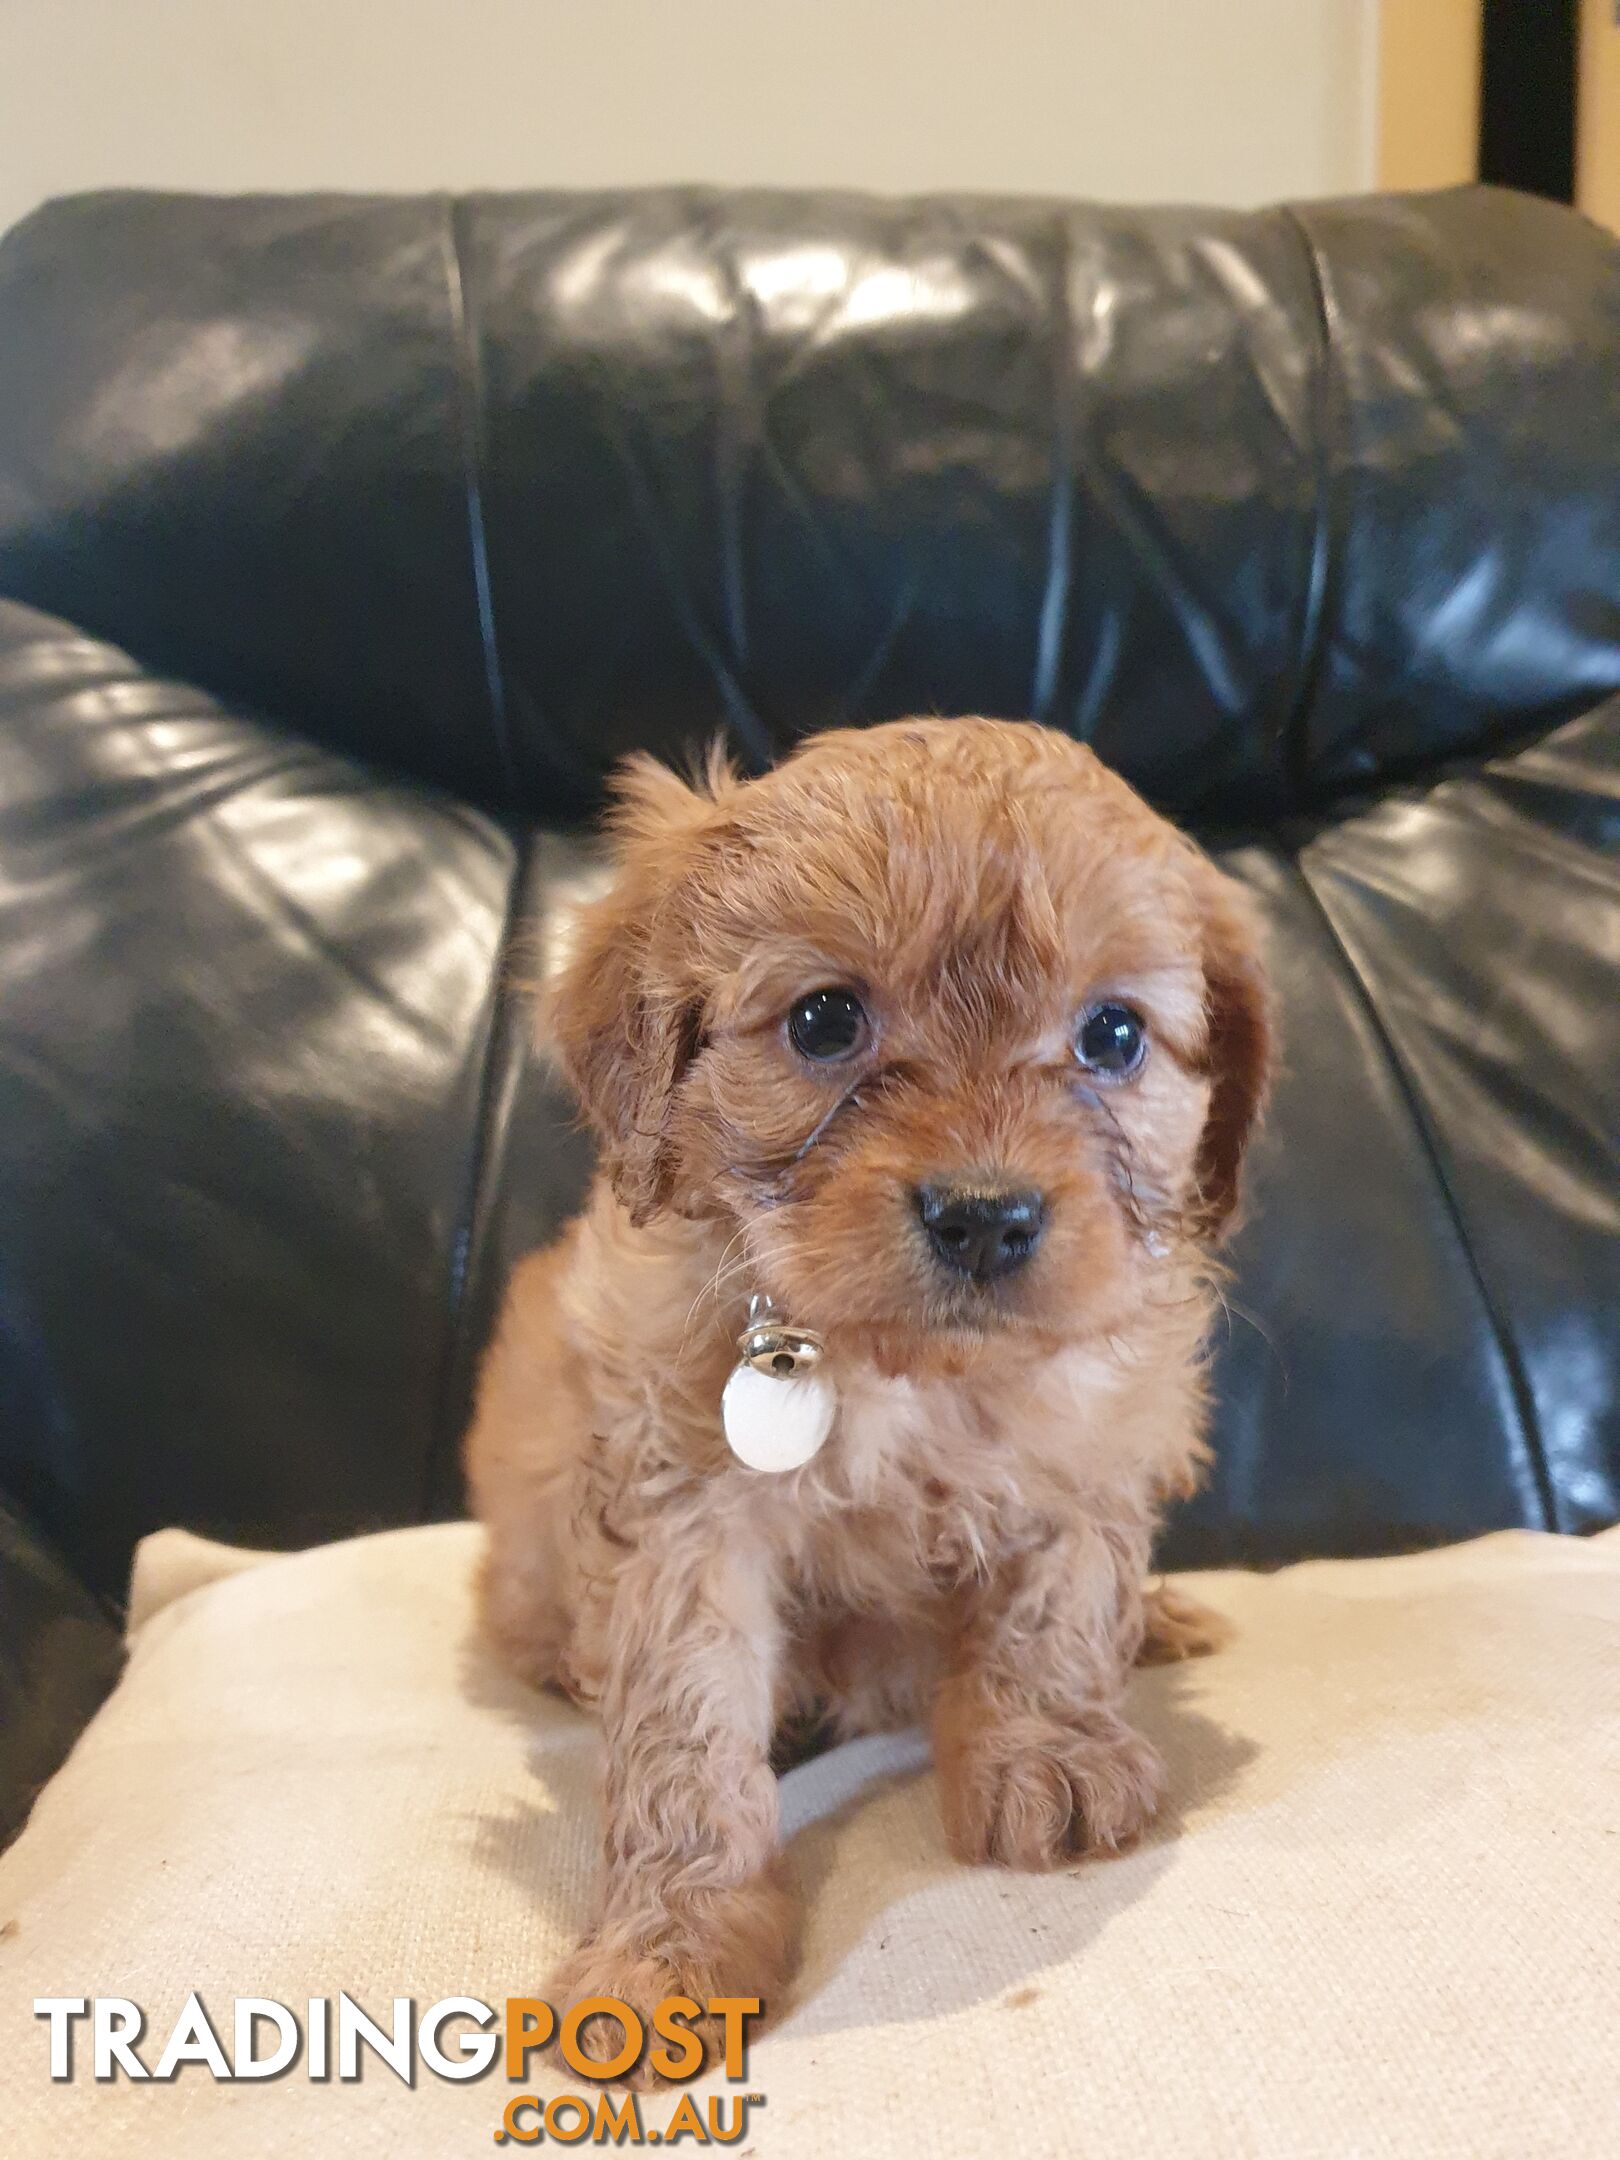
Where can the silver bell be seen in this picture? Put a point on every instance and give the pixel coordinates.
(776, 1409)
(773, 1348)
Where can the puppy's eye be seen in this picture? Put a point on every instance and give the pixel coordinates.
(828, 1025)
(1110, 1040)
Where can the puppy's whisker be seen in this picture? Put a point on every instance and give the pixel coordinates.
(1231, 1310)
(713, 1288)
(725, 1273)
(845, 1101)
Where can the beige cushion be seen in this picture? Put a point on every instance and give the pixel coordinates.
(1380, 1918)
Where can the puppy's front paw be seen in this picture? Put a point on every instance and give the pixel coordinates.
(728, 1943)
(1033, 1791)
(641, 1981)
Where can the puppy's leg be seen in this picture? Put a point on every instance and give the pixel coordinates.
(1176, 1626)
(1036, 1763)
(695, 1902)
(529, 1427)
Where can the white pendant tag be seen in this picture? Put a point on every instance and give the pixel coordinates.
(776, 1424)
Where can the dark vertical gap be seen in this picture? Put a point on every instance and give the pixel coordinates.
(1531, 1439)
(539, 771)
(471, 1290)
(1527, 96)
(1052, 624)
(1318, 586)
(470, 387)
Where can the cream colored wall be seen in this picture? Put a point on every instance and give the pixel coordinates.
(1212, 100)
(1597, 149)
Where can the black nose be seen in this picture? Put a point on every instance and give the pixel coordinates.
(981, 1231)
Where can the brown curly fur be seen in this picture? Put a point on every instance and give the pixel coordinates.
(972, 1541)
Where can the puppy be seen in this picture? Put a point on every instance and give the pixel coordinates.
(940, 1039)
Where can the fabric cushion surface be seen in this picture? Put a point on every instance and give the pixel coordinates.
(1380, 1915)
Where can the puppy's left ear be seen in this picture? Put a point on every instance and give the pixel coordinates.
(1241, 1043)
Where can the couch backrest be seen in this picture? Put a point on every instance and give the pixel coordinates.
(492, 489)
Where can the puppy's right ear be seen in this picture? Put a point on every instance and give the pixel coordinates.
(624, 1025)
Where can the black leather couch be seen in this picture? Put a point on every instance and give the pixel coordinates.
(345, 542)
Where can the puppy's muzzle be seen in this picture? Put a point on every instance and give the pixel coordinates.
(981, 1231)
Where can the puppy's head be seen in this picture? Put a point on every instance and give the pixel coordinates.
(962, 1037)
